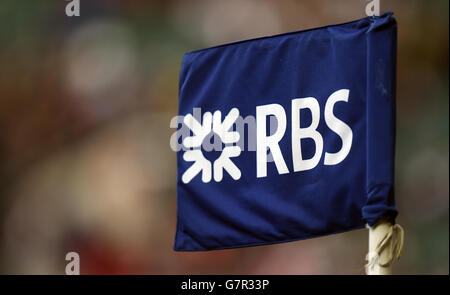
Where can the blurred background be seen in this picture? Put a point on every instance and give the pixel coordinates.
(85, 163)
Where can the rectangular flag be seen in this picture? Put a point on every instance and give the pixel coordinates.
(287, 137)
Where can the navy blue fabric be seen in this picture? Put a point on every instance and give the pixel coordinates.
(359, 56)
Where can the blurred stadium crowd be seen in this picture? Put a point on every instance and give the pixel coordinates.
(85, 163)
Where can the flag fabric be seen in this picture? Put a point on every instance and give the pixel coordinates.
(319, 108)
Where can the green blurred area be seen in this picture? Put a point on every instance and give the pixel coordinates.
(85, 107)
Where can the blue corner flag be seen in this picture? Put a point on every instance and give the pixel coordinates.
(287, 137)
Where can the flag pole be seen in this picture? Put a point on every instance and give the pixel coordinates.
(385, 244)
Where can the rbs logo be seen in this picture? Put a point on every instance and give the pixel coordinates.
(264, 142)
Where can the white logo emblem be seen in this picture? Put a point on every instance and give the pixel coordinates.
(211, 123)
